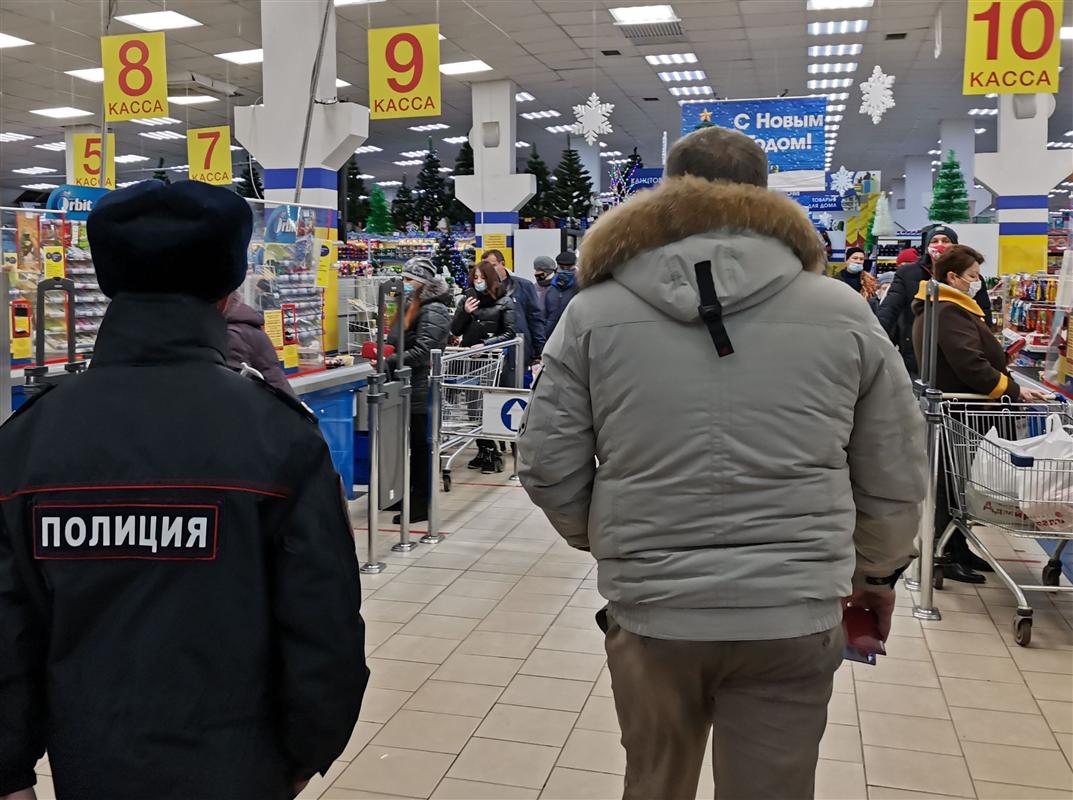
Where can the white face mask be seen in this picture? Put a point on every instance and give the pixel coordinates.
(974, 287)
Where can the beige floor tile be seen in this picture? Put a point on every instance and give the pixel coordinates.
(500, 568)
(1043, 638)
(564, 586)
(362, 735)
(964, 623)
(423, 730)
(986, 790)
(911, 701)
(841, 743)
(579, 618)
(516, 622)
(1022, 766)
(559, 664)
(898, 671)
(1034, 659)
(603, 684)
(844, 678)
(510, 763)
(837, 780)
(409, 592)
(496, 643)
(389, 610)
(392, 770)
(599, 715)
(987, 695)
(559, 569)
(447, 561)
(587, 598)
(983, 668)
(43, 767)
(379, 705)
(574, 640)
(553, 693)
(339, 793)
(909, 733)
(1002, 727)
(488, 670)
(444, 697)
(906, 626)
(439, 626)
(576, 784)
(318, 784)
(908, 649)
(886, 793)
(425, 649)
(533, 603)
(1065, 742)
(451, 605)
(599, 751)
(919, 771)
(531, 725)
(975, 644)
(485, 590)
(963, 603)
(1059, 715)
(1049, 686)
(454, 789)
(842, 710)
(376, 633)
(404, 675)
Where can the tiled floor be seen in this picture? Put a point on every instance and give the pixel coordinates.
(489, 681)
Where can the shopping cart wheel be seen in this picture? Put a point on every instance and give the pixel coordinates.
(937, 577)
(1022, 631)
(446, 481)
(1052, 573)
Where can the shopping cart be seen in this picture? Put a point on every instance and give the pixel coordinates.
(991, 484)
(361, 311)
(467, 373)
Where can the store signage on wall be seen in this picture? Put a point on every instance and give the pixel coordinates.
(404, 72)
(497, 241)
(75, 201)
(208, 152)
(789, 129)
(135, 76)
(1012, 46)
(816, 202)
(86, 160)
(646, 178)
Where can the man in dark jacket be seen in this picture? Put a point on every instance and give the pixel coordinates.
(896, 311)
(562, 290)
(249, 345)
(179, 593)
(528, 314)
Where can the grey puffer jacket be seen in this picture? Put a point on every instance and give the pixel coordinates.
(735, 498)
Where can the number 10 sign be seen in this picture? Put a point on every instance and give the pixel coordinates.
(404, 72)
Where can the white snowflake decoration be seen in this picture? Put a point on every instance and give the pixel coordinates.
(592, 119)
(877, 97)
(842, 181)
(826, 220)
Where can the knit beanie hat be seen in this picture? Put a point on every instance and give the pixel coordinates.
(420, 269)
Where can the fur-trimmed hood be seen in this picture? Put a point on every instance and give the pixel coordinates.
(685, 206)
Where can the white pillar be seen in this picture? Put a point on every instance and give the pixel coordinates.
(494, 192)
(590, 160)
(959, 135)
(918, 186)
(897, 201)
(273, 132)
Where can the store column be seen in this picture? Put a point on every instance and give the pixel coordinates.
(590, 160)
(273, 132)
(918, 186)
(959, 135)
(494, 192)
(1020, 174)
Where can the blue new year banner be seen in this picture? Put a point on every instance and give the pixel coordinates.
(789, 129)
(818, 201)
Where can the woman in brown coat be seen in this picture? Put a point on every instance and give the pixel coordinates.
(969, 360)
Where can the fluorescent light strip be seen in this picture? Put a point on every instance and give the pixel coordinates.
(672, 58)
(983, 112)
(837, 27)
(464, 67)
(162, 135)
(835, 109)
(40, 187)
(55, 147)
(686, 75)
(130, 159)
(193, 99)
(829, 50)
(643, 15)
(34, 170)
(980, 130)
(559, 128)
(610, 153)
(834, 118)
(366, 177)
(827, 67)
(62, 112)
(7, 40)
(91, 74)
(835, 5)
(548, 114)
(153, 122)
(830, 83)
(523, 97)
(369, 148)
(434, 126)
(243, 57)
(1066, 32)
(520, 144)
(684, 91)
(414, 154)
(456, 139)
(413, 162)
(14, 137)
(389, 183)
(159, 20)
(341, 84)
(447, 169)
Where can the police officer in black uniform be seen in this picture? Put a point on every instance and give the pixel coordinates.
(179, 591)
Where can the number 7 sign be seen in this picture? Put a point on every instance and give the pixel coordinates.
(208, 151)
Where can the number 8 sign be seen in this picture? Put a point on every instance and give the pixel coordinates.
(135, 76)
(404, 72)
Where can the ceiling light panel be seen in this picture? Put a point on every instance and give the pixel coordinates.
(62, 112)
(447, 169)
(159, 20)
(456, 139)
(244, 56)
(91, 74)
(827, 67)
(34, 170)
(835, 109)
(40, 187)
(54, 147)
(464, 67)
(389, 183)
(521, 145)
(686, 91)
(686, 75)
(980, 130)
(341, 84)
(831, 50)
(357, 2)
(836, 5)
(559, 128)
(368, 148)
(413, 162)
(643, 15)
(672, 58)
(548, 114)
(7, 40)
(433, 126)
(193, 99)
(610, 153)
(983, 112)
(154, 122)
(366, 177)
(14, 137)
(830, 83)
(523, 97)
(414, 154)
(162, 135)
(838, 27)
(130, 159)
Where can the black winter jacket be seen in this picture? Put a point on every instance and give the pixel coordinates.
(430, 332)
(179, 593)
(492, 323)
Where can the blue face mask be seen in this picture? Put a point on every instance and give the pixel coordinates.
(855, 268)
(480, 286)
(409, 288)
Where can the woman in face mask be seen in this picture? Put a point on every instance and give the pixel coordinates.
(970, 360)
(851, 275)
(485, 316)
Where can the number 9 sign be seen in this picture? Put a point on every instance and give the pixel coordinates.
(135, 76)
(404, 72)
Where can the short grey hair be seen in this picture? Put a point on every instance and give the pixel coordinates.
(719, 154)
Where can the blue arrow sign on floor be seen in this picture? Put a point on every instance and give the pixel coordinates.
(512, 412)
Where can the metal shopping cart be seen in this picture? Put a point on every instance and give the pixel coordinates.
(991, 484)
(467, 373)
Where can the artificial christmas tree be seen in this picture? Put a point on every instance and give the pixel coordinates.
(251, 183)
(538, 206)
(430, 191)
(884, 222)
(448, 259)
(457, 211)
(357, 201)
(572, 194)
(402, 207)
(379, 221)
(950, 201)
(161, 174)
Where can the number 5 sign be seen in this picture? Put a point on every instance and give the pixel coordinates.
(208, 151)
(404, 72)
(1012, 47)
(86, 160)
(135, 76)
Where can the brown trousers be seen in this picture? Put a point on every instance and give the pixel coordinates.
(767, 701)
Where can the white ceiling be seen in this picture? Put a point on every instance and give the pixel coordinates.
(749, 48)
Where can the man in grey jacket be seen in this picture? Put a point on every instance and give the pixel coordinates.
(735, 440)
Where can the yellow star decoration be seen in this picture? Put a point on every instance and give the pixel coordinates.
(705, 116)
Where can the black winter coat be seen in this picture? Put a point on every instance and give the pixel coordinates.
(493, 322)
(430, 332)
(247, 343)
(179, 593)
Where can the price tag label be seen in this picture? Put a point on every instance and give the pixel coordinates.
(1012, 46)
(22, 349)
(274, 327)
(86, 160)
(55, 266)
(497, 241)
(208, 151)
(290, 356)
(135, 76)
(404, 72)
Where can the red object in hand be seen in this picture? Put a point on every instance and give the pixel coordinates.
(368, 351)
(862, 631)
